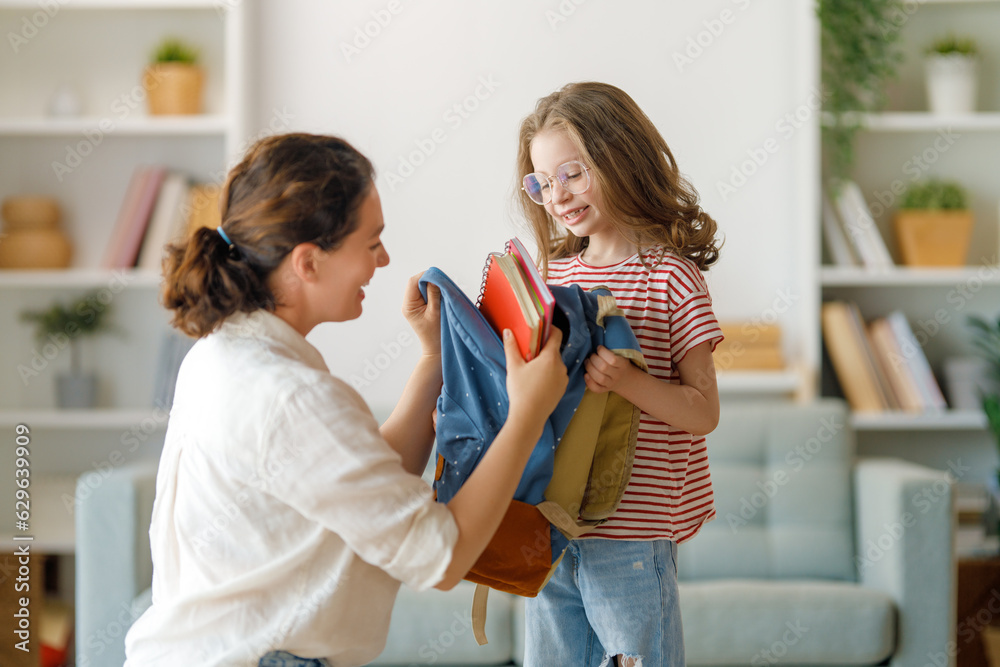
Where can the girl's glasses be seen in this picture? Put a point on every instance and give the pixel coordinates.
(573, 176)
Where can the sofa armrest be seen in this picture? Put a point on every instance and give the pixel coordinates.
(905, 548)
(113, 562)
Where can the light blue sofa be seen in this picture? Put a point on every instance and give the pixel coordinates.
(814, 559)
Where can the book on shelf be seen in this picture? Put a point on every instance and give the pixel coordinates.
(837, 244)
(847, 347)
(913, 358)
(167, 222)
(859, 228)
(133, 217)
(879, 365)
(876, 363)
(513, 296)
(174, 346)
(899, 375)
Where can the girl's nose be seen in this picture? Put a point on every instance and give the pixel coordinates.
(559, 193)
(383, 257)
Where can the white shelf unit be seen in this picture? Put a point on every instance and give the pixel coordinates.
(79, 419)
(99, 48)
(784, 382)
(894, 148)
(949, 420)
(839, 276)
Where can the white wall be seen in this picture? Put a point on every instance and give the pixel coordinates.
(390, 92)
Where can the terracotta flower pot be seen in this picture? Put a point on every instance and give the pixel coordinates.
(173, 88)
(933, 238)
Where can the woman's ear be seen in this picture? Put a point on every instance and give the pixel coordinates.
(304, 260)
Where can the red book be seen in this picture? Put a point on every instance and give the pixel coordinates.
(125, 214)
(509, 299)
(139, 221)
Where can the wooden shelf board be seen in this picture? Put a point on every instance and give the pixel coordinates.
(948, 420)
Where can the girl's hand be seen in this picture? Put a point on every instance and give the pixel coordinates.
(424, 316)
(606, 371)
(535, 387)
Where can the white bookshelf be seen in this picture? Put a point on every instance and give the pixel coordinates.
(894, 148)
(100, 48)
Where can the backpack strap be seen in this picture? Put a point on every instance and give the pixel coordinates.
(479, 613)
(560, 518)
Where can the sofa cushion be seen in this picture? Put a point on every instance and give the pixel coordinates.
(436, 627)
(760, 622)
(782, 480)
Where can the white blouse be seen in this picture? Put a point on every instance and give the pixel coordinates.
(282, 520)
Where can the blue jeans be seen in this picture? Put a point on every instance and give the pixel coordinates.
(607, 598)
(285, 659)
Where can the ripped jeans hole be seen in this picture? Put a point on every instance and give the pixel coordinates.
(622, 661)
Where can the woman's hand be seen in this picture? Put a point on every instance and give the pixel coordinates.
(606, 371)
(535, 387)
(424, 316)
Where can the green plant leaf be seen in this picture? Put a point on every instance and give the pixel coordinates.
(860, 54)
(173, 50)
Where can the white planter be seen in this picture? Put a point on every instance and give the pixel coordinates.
(951, 83)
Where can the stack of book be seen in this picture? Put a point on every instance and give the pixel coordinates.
(160, 206)
(880, 365)
(849, 229)
(514, 296)
(749, 346)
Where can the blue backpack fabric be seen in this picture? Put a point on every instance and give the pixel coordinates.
(473, 406)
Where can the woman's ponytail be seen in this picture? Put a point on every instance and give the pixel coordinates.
(205, 281)
(288, 189)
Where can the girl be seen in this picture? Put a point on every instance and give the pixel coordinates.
(285, 518)
(608, 206)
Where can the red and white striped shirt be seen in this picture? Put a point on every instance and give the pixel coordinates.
(670, 311)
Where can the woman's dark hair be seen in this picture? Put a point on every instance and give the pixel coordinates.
(289, 189)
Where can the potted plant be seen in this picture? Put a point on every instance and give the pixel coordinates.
(174, 80)
(63, 326)
(951, 68)
(859, 44)
(933, 226)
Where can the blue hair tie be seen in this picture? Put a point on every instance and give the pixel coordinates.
(224, 237)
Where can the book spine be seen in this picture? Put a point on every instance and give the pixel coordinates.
(848, 358)
(898, 372)
(913, 355)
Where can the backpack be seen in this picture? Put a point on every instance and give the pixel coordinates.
(578, 469)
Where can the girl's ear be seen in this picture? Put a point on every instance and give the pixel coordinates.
(304, 261)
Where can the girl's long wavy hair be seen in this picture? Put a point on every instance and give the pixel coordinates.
(642, 192)
(289, 189)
